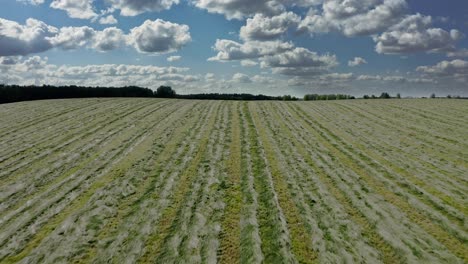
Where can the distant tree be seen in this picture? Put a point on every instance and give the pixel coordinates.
(310, 97)
(398, 95)
(385, 96)
(314, 97)
(366, 96)
(449, 96)
(373, 97)
(433, 95)
(165, 92)
(288, 98)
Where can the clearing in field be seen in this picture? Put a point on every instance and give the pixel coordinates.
(181, 181)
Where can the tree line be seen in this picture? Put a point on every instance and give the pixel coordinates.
(16, 93)
(320, 97)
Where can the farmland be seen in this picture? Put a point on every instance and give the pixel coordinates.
(186, 181)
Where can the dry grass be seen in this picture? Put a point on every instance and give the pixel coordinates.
(142, 180)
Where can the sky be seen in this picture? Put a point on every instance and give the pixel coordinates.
(273, 47)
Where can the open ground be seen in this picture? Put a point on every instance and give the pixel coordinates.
(186, 181)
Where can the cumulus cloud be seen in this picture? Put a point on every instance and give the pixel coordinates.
(209, 77)
(353, 18)
(23, 70)
(37, 70)
(16, 39)
(35, 36)
(369, 78)
(299, 62)
(414, 34)
(9, 60)
(70, 38)
(241, 78)
(31, 2)
(34, 62)
(108, 39)
(337, 76)
(82, 9)
(458, 53)
(159, 36)
(136, 7)
(108, 20)
(394, 79)
(263, 79)
(325, 80)
(262, 28)
(178, 77)
(356, 62)
(393, 30)
(303, 3)
(174, 58)
(229, 50)
(455, 68)
(248, 63)
(239, 9)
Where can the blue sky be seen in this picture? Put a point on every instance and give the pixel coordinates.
(412, 47)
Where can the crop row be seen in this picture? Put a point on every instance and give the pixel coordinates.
(182, 181)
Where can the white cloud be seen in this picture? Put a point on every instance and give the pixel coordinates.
(108, 39)
(454, 68)
(329, 80)
(36, 70)
(136, 7)
(263, 79)
(173, 58)
(369, 78)
(241, 78)
(356, 62)
(31, 2)
(248, 63)
(414, 34)
(299, 62)
(16, 39)
(337, 76)
(82, 9)
(394, 79)
(239, 9)
(458, 53)
(178, 77)
(70, 38)
(24, 71)
(9, 60)
(302, 3)
(263, 28)
(108, 20)
(376, 19)
(353, 17)
(229, 50)
(35, 36)
(209, 77)
(159, 36)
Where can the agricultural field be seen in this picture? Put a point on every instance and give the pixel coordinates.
(185, 181)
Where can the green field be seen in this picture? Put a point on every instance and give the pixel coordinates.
(181, 181)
